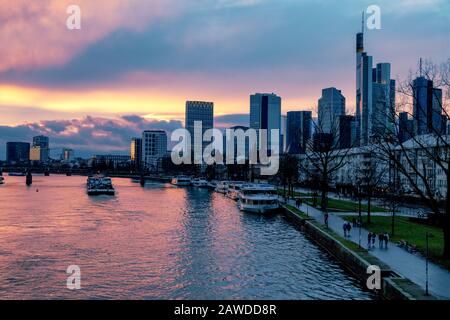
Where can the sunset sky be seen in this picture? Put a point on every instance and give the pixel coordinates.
(134, 63)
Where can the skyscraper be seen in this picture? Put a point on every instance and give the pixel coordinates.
(405, 127)
(136, 152)
(154, 148)
(40, 150)
(331, 107)
(265, 113)
(199, 111)
(298, 131)
(375, 95)
(427, 107)
(383, 101)
(17, 152)
(347, 131)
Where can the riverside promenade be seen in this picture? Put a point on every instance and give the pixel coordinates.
(408, 265)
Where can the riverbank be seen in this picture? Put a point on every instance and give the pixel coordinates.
(356, 259)
(412, 233)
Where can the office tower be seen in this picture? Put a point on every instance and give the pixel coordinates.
(331, 107)
(265, 113)
(298, 131)
(382, 118)
(40, 150)
(427, 107)
(68, 154)
(17, 152)
(405, 127)
(199, 111)
(359, 86)
(283, 134)
(154, 148)
(136, 152)
(347, 132)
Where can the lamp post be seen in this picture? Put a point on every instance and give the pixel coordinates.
(428, 236)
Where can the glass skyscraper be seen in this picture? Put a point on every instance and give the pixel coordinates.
(265, 113)
(298, 131)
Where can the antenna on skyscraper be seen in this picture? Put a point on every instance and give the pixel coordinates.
(362, 22)
(420, 66)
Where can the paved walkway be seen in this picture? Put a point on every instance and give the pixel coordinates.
(408, 265)
(402, 210)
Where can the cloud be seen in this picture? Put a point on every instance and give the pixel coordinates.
(96, 135)
(87, 136)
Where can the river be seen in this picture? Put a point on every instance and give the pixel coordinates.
(156, 242)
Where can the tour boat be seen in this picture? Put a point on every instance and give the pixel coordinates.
(181, 181)
(234, 189)
(99, 186)
(222, 187)
(2, 180)
(258, 198)
(199, 183)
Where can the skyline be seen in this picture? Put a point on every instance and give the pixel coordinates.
(115, 82)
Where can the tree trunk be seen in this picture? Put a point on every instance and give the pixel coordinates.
(446, 226)
(369, 198)
(323, 202)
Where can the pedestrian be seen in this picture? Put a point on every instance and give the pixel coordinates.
(349, 228)
(369, 240)
(374, 236)
(380, 240)
(386, 239)
(298, 203)
(326, 218)
(344, 226)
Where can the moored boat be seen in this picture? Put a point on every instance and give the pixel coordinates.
(222, 187)
(258, 198)
(181, 181)
(234, 188)
(199, 183)
(2, 180)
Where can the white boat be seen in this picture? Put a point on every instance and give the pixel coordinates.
(234, 188)
(258, 198)
(2, 180)
(181, 181)
(98, 185)
(199, 183)
(222, 187)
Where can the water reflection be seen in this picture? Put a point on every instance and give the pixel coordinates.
(155, 242)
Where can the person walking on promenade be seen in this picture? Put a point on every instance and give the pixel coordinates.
(326, 218)
(381, 240)
(298, 203)
(344, 226)
(369, 240)
(374, 239)
(386, 239)
(349, 229)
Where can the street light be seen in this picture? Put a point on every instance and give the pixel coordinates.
(428, 235)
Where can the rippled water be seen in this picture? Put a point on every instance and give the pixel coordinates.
(157, 242)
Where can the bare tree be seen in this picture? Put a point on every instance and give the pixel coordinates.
(369, 175)
(323, 157)
(428, 150)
